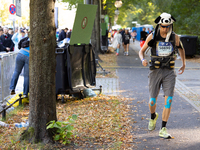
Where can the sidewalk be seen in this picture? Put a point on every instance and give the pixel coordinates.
(184, 120)
(188, 83)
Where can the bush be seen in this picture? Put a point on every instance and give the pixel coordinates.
(63, 129)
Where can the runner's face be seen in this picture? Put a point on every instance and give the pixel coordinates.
(164, 28)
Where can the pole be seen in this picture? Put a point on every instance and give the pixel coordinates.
(87, 2)
(13, 21)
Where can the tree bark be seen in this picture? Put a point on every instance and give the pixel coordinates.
(95, 38)
(42, 64)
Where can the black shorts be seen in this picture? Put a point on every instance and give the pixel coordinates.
(127, 42)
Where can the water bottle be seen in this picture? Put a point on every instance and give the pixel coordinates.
(3, 124)
(10, 109)
(22, 124)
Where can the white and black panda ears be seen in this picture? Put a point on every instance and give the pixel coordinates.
(173, 18)
(157, 20)
(165, 18)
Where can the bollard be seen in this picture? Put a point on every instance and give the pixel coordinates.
(100, 89)
(20, 99)
(4, 112)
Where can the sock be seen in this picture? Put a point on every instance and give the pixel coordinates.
(163, 124)
(117, 50)
(153, 116)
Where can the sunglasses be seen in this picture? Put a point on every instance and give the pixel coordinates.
(165, 26)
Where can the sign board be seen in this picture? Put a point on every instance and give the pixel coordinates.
(18, 7)
(12, 17)
(83, 24)
(12, 9)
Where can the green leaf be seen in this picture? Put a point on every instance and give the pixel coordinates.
(51, 122)
(65, 123)
(57, 137)
(58, 125)
(71, 121)
(50, 126)
(74, 116)
(69, 134)
(69, 127)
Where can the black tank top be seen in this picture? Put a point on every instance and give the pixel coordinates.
(161, 39)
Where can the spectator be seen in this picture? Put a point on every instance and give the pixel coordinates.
(143, 35)
(62, 35)
(149, 31)
(1, 46)
(10, 31)
(16, 29)
(1, 32)
(6, 41)
(26, 32)
(22, 61)
(69, 34)
(122, 31)
(16, 38)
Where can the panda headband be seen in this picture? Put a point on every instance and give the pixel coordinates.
(165, 19)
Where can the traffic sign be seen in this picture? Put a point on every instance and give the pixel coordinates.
(18, 8)
(12, 9)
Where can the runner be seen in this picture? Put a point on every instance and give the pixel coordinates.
(126, 41)
(163, 42)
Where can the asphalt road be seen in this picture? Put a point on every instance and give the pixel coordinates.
(184, 121)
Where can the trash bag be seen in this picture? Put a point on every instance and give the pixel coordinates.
(89, 93)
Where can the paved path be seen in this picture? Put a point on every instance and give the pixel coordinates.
(184, 119)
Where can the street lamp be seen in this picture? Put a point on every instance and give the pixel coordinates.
(118, 4)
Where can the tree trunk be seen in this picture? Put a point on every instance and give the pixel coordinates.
(95, 38)
(42, 64)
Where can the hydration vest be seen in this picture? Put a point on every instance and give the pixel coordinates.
(163, 53)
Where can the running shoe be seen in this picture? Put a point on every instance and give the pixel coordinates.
(163, 133)
(117, 54)
(126, 53)
(152, 123)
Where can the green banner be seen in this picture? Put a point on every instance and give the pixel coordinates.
(83, 24)
(106, 18)
(103, 28)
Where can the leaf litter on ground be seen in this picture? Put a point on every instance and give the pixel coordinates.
(103, 122)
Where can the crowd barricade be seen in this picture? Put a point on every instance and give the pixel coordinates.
(7, 66)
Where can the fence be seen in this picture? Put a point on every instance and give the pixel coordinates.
(7, 66)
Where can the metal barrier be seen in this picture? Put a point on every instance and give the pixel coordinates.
(5, 107)
(7, 66)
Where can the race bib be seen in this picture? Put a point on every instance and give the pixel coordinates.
(164, 48)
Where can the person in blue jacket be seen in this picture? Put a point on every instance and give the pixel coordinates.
(22, 61)
(63, 34)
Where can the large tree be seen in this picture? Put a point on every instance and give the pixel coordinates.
(42, 65)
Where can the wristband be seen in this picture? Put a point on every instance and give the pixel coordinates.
(142, 60)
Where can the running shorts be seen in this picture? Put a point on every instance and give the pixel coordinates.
(165, 77)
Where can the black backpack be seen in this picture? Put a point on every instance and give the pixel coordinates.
(23, 43)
